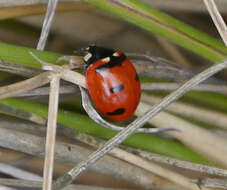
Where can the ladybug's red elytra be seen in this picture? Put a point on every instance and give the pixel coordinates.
(112, 82)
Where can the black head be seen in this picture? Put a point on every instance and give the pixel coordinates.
(95, 53)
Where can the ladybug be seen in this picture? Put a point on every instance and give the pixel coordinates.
(112, 82)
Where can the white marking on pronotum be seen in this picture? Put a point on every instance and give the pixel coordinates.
(87, 56)
(106, 60)
(116, 54)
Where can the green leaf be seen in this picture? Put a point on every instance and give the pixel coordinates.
(161, 24)
(82, 123)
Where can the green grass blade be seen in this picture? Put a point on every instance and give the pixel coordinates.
(82, 123)
(161, 24)
(21, 55)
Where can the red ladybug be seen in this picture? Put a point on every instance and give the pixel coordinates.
(112, 82)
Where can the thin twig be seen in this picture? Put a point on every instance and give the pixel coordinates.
(43, 91)
(203, 169)
(211, 183)
(159, 86)
(130, 129)
(217, 19)
(51, 132)
(52, 4)
(18, 69)
(24, 86)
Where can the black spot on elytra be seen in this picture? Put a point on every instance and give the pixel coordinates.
(117, 88)
(117, 112)
(114, 61)
(69, 148)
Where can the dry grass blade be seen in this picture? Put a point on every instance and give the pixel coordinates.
(67, 89)
(209, 116)
(96, 142)
(177, 163)
(217, 18)
(24, 86)
(37, 184)
(13, 3)
(53, 101)
(18, 70)
(212, 183)
(72, 154)
(146, 165)
(74, 77)
(130, 129)
(173, 51)
(195, 137)
(51, 132)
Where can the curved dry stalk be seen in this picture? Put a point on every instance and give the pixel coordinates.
(93, 114)
(209, 116)
(130, 129)
(217, 19)
(198, 139)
